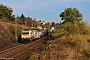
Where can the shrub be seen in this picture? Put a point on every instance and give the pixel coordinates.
(76, 28)
(12, 29)
(59, 32)
(84, 28)
(72, 44)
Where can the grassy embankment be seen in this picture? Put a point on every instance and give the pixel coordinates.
(7, 34)
(70, 42)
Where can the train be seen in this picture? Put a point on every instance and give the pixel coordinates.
(32, 34)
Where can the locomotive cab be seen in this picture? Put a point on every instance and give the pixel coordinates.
(27, 36)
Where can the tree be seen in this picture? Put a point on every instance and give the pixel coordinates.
(23, 18)
(53, 24)
(6, 12)
(71, 15)
(28, 22)
(35, 23)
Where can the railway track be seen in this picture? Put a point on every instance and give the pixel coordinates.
(21, 51)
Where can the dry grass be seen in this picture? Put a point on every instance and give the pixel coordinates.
(71, 47)
(71, 42)
(7, 35)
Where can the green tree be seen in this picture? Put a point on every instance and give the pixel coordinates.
(71, 15)
(6, 12)
(22, 18)
(53, 24)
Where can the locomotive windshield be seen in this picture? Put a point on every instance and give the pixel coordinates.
(25, 32)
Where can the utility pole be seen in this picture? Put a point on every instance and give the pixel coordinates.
(16, 29)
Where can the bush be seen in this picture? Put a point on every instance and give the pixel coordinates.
(76, 28)
(72, 44)
(12, 29)
(56, 33)
(70, 47)
(84, 28)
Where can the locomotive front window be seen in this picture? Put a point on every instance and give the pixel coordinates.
(25, 32)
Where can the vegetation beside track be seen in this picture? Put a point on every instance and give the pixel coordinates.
(7, 34)
(68, 42)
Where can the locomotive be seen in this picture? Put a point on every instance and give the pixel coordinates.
(31, 35)
(27, 36)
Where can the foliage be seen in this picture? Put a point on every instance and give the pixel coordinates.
(28, 22)
(71, 15)
(47, 25)
(81, 28)
(12, 31)
(57, 33)
(6, 13)
(84, 28)
(31, 22)
(70, 47)
(69, 28)
(53, 24)
(22, 18)
(35, 23)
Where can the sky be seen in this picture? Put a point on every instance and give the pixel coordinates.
(47, 10)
